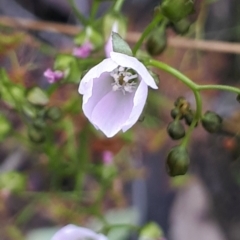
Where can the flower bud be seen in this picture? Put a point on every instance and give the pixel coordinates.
(189, 117)
(182, 26)
(175, 112)
(54, 113)
(175, 10)
(177, 161)
(176, 130)
(211, 122)
(157, 41)
(36, 135)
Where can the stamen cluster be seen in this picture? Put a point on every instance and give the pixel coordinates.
(124, 79)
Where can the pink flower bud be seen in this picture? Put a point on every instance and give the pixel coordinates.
(107, 157)
(83, 51)
(53, 76)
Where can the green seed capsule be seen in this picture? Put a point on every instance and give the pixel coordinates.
(175, 112)
(157, 41)
(211, 122)
(182, 26)
(189, 117)
(175, 10)
(176, 130)
(177, 161)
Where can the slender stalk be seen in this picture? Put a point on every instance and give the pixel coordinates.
(219, 87)
(197, 117)
(118, 5)
(163, 66)
(79, 15)
(146, 32)
(94, 10)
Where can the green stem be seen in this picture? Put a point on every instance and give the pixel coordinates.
(197, 117)
(193, 86)
(163, 66)
(218, 87)
(80, 17)
(94, 10)
(146, 32)
(118, 5)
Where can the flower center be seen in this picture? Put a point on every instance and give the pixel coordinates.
(125, 79)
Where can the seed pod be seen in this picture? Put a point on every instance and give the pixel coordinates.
(157, 41)
(189, 117)
(177, 161)
(182, 26)
(176, 130)
(211, 122)
(175, 10)
(175, 112)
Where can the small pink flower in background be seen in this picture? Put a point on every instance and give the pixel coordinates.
(53, 76)
(115, 92)
(83, 51)
(108, 46)
(72, 232)
(107, 157)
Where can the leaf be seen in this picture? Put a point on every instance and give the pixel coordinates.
(119, 45)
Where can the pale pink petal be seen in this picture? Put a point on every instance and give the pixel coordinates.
(86, 83)
(131, 62)
(138, 105)
(112, 111)
(101, 86)
(83, 51)
(108, 47)
(72, 232)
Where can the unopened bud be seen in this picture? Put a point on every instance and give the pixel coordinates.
(189, 117)
(177, 161)
(175, 112)
(175, 10)
(211, 122)
(182, 26)
(157, 41)
(176, 130)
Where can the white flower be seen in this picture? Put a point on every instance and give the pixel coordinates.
(72, 232)
(115, 92)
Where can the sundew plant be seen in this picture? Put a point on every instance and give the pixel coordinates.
(79, 119)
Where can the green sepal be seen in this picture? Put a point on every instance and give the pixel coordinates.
(119, 45)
